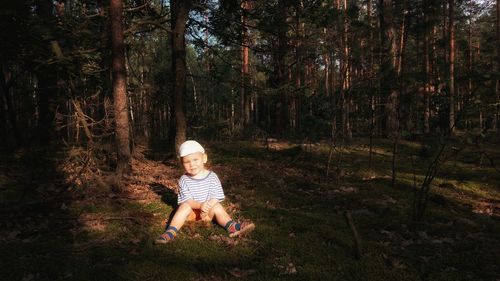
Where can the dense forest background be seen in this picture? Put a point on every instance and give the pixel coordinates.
(305, 70)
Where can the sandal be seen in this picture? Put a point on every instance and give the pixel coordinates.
(167, 236)
(245, 228)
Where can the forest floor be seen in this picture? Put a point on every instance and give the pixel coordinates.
(63, 218)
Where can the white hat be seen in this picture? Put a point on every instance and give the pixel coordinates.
(189, 147)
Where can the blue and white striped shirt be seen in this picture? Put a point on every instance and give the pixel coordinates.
(200, 190)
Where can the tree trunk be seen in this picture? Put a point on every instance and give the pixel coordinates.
(294, 101)
(372, 96)
(3, 112)
(427, 65)
(497, 85)
(104, 97)
(179, 16)
(245, 94)
(346, 77)
(7, 110)
(451, 86)
(119, 73)
(469, 58)
(279, 75)
(406, 106)
(46, 80)
(389, 93)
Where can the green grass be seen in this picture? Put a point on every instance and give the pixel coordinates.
(301, 231)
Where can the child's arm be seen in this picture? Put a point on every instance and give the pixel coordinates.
(215, 193)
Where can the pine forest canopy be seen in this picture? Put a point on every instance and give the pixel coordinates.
(237, 69)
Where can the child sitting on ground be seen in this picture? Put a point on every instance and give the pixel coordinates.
(200, 191)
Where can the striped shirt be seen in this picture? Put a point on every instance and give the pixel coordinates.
(200, 190)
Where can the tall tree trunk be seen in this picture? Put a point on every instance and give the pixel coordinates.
(46, 80)
(427, 69)
(346, 77)
(388, 73)
(371, 72)
(7, 110)
(122, 131)
(436, 74)
(294, 100)
(451, 86)
(280, 68)
(402, 41)
(497, 84)
(179, 16)
(407, 106)
(3, 111)
(105, 79)
(469, 58)
(245, 94)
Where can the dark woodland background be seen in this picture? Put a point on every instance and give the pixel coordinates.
(84, 71)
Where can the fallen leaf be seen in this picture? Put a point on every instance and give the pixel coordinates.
(424, 258)
(443, 240)
(13, 234)
(344, 189)
(291, 269)
(237, 272)
(407, 243)
(423, 235)
(467, 222)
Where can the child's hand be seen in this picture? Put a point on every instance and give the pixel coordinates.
(205, 207)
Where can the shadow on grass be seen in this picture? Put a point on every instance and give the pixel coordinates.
(168, 197)
(35, 224)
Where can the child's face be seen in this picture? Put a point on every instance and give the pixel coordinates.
(194, 163)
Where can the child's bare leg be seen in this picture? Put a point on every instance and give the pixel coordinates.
(220, 214)
(181, 215)
(177, 222)
(224, 220)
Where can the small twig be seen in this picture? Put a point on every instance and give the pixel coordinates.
(357, 240)
(330, 153)
(84, 168)
(491, 162)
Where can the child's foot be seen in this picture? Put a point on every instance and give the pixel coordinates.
(239, 229)
(167, 236)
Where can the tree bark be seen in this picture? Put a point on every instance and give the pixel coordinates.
(7, 111)
(104, 41)
(179, 16)
(497, 84)
(295, 99)
(3, 111)
(389, 93)
(46, 80)
(345, 98)
(451, 81)
(119, 73)
(427, 83)
(371, 71)
(245, 94)
(405, 104)
(280, 68)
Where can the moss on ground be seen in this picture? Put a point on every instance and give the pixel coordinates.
(301, 231)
